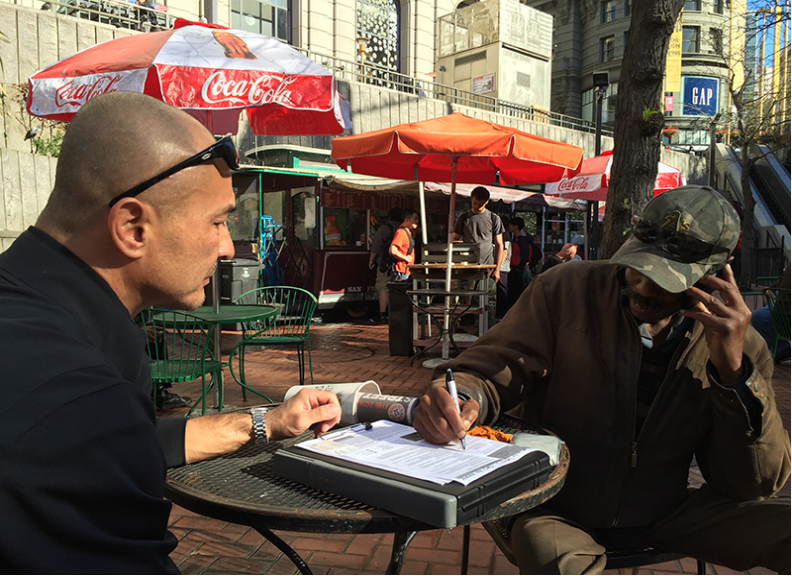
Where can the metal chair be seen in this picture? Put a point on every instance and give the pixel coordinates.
(779, 304)
(289, 327)
(179, 345)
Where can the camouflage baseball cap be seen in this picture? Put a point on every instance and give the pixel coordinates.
(680, 235)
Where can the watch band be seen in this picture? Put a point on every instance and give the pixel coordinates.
(259, 424)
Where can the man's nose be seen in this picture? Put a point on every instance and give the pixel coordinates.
(648, 289)
(226, 245)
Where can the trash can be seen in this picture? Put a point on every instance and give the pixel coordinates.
(400, 319)
(237, 276)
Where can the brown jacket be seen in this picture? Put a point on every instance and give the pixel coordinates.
(567, 358)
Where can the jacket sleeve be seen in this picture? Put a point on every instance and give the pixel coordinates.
(508, 363)
(741, 460)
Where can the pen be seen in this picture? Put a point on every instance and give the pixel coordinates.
(451, 384)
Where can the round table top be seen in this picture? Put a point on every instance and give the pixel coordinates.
(230, 313)
(241, 488)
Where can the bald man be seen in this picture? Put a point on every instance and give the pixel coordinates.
(566, 254)
(137, 218)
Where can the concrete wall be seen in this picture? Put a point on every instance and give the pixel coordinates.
(26, 184)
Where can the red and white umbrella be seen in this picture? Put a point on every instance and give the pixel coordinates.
(210, 72)
(592, 181)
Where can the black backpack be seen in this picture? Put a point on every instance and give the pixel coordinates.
(386, 260)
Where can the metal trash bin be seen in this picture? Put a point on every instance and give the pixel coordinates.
(400, 319)
(237, 276)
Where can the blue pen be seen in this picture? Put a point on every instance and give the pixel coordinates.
(451, 384)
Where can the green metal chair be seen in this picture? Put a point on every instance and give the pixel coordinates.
(179, 345)
(779, 304)
(289, 327)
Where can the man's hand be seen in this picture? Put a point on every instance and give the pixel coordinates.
(496, 272)
(301, 411)
(725, 323)
(437, 418)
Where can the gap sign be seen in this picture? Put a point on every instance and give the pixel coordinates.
(699, 96)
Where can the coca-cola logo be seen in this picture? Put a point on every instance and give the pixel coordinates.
(76, 93)
(573, 185)
(266, 89)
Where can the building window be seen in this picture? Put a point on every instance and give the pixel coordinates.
(378, 21)
(267, 17)
(608, 11)
(717, 6)
(716, 41)
(692, 5)
(627, 7)
(690, 39)
(607, 49)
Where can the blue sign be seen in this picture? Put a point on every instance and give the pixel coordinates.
(699, 96)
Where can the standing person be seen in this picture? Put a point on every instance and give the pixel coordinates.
(567, 252)
(402, 246)
(136, 218)
(522, 249)
(502, 299)
(762, 321)
(663, 371)
(379, 260)
(480, 226)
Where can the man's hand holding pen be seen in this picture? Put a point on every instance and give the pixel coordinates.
(440, 420)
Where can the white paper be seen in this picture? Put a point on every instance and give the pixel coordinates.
(398, 448)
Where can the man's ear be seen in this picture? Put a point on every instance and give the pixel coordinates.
(129, 224)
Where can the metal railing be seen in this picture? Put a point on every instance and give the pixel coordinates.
(118, 13)
(372, 74)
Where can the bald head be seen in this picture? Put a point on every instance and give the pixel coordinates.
(115, 142)
(567, 252)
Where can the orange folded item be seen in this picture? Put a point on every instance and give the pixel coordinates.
(491, 433)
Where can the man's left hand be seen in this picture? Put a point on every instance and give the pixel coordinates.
(307, 408)
(725, 322)
(496, 274)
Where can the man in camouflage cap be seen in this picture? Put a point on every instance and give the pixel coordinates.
(638, 367)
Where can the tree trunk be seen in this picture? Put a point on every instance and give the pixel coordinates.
(639, 119)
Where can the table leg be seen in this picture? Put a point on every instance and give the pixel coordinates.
(465, 549)
(400, 542)
(285, 548)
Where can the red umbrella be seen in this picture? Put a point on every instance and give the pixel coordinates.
(592, 182)
(210, 72)
(457, 148)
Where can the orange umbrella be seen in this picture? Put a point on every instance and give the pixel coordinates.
(426, 151)
(457, 148)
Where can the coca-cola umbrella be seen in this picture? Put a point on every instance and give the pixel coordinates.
(592, 181)
(211, 72)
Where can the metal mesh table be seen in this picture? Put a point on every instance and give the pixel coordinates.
(241, 488)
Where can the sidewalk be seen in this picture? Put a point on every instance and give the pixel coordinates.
(355, 352)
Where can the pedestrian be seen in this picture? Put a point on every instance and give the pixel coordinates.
(402, 246)
(663, 371)
(381, 261)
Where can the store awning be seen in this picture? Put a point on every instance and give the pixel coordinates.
(509, 195)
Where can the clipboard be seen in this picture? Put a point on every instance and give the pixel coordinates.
(443, 506)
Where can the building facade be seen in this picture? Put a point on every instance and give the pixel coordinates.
(590, 36)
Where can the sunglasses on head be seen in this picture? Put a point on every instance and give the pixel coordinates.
(683, 245)
(223, 148)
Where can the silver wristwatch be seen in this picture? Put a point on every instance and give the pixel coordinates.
(259, 424)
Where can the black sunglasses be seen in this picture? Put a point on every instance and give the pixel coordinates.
(223, 148)
(686, 247)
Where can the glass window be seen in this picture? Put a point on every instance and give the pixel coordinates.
(716, 41)
(627, 7)
(268, 17)
(690, 39)
(378, 23)
(692, 5)
(243, 222)
(608, 11)
(607, 49)
(717, 6)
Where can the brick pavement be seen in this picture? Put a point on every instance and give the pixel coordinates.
(355, 352)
